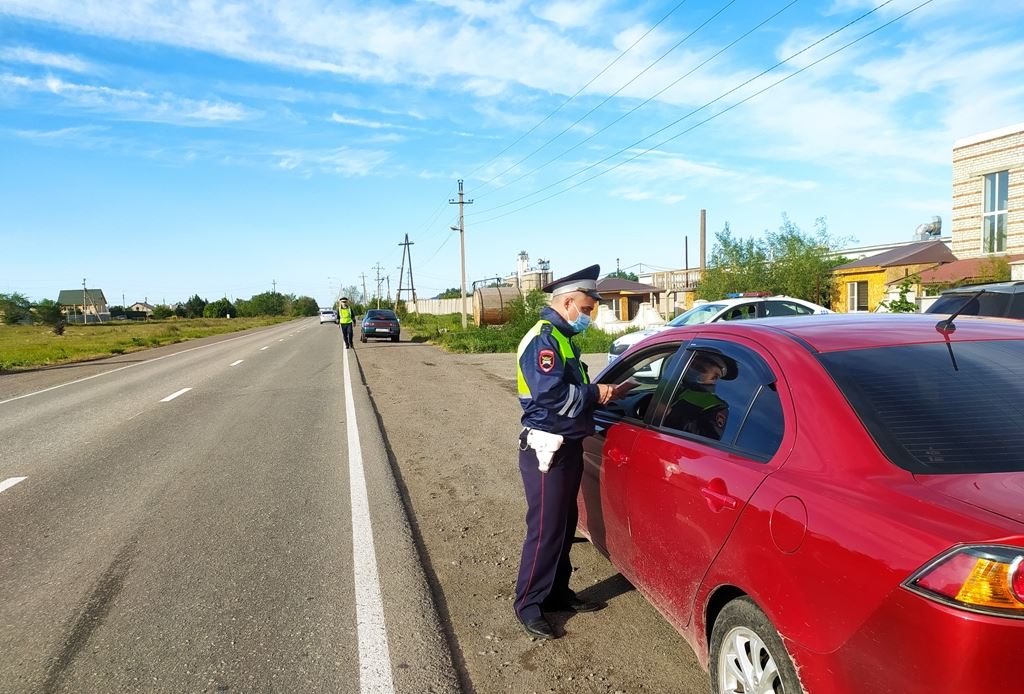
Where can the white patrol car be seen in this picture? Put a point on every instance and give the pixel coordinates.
(724, 309)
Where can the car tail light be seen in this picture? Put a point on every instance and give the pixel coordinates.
(982, 578)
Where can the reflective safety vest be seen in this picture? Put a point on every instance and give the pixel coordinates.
(344, 315)
(564, 348)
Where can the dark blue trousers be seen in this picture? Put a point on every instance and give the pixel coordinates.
(551, 516)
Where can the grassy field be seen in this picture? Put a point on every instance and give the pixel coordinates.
(446, 331)
(26, 346)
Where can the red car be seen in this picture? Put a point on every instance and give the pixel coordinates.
(829, 504)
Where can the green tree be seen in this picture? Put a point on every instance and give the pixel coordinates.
(114, 311)
(194, 306)
(788, 261)
(995, 269)
(180, 311)
(48, 311)
(15, 307)
(221, 308)
(623, 275)
(268, 304)
(305, 306)
(902, 304)
(453, 293)
(161, 311)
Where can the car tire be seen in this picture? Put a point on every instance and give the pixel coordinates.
(362, 338)
(394, 338)
(745, 649)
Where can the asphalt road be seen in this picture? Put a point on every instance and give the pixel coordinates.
(154, 538)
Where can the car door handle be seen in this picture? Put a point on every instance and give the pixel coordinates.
(718, 500)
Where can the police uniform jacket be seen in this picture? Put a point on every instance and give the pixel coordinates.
(554, 389)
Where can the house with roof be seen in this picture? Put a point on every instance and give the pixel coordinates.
(625, 303)
(83, 305)
(141, 307)
(863, 284)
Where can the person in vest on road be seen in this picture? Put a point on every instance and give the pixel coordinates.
(558, 402)
(346, 317)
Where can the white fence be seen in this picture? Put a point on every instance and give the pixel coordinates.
(441, 306)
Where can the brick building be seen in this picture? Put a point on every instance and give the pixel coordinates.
(988, 193)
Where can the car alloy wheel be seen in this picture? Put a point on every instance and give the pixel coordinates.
(748, 656)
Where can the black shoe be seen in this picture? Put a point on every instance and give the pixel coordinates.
(575, 605)
(539, 628)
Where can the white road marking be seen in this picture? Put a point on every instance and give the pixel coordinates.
(10, 482)
(236, 363)
(263, 348)
(129, 366)
(371, 633)
(281, 340)
(176, 394)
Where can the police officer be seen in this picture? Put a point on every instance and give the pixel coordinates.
(345, 318)
(558, 401)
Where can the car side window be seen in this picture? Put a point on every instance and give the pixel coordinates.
(726, 395)
(786, 308)
(741, 312)
(646, 370)
(1016, 307)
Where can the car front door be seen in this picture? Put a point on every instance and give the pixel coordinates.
(606, 453)
(686, 486)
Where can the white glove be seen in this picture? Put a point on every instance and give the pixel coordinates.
(545, 445)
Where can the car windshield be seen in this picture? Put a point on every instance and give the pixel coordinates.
(696, 315)
(931, 415)
(378, 314)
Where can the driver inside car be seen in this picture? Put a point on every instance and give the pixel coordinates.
(696, 408)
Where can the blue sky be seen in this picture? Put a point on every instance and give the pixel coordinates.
(165, 148)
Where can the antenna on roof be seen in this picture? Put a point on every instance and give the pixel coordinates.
(946, 326)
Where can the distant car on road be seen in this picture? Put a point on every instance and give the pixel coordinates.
(328, 315)
(822, 504)
(726, 309)
(380, 323)
(1000, 299)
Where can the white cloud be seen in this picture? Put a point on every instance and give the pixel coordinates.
(59, 61)
(569, 13)
(343, 161)
(345, 120)
(59, 134)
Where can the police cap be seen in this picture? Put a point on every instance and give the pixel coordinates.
(583, 281)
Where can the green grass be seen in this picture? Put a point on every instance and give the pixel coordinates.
(446, 331)
(27, 346)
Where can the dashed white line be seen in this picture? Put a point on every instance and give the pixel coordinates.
(176, 394)
(263, 348)
(10, 482)
(371, 633)
(236, 363)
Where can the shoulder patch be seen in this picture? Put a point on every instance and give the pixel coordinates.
(546, 360)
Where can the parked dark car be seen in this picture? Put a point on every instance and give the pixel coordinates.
(830, 504)
(380, 323)
(1000, 299)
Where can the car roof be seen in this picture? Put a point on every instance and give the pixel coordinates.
(997, 287)
(843, 331)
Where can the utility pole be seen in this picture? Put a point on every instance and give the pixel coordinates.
(388, 278)
(462, 245)
(378, 268)
(274, 282)
(401, 274)
(85, 298)
(366, 298)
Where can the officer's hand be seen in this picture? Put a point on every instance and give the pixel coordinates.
(605, 393)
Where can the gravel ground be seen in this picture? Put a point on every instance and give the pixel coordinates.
(450, 423)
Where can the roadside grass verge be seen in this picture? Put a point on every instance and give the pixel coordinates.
(27, 346)
(446, 331)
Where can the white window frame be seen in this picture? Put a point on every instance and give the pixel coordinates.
(853, 297)
(996, 215)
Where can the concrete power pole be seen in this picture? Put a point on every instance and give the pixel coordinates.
(378, 268)
(462, 245)
(366, 297)
(85, 299)
(703, 239)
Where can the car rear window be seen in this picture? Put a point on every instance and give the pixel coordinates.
(988, 304)
(381, 315)
(935, 408)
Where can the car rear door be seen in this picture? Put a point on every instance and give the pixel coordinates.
(686, 491)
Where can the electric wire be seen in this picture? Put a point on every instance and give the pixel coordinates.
(607, 98)
(694, 111)
(712, 117)
(580, 90)
(638, 106)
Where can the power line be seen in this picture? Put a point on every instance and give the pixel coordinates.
(701, 108)
(640, 105)
(609, 97)
(581, 89)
